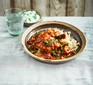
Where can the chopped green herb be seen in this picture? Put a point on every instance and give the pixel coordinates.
(47, 43)
(29, 19)
(55, 35)
(34, 16)
(54, 52)
(62, 52)
(55, 41)
(58, 56)
(32, 51)
(33, 43)
(41, 32)
(39, 50)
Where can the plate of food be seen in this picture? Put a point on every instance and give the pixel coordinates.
(53, 41)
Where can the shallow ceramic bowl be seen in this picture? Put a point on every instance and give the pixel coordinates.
(76, 33)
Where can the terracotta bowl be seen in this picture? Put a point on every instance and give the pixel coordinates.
(76, 33)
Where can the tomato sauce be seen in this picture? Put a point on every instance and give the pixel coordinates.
(46, 44)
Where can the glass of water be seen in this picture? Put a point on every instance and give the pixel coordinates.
(14, 19)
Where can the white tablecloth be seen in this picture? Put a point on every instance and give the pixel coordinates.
(17, 68)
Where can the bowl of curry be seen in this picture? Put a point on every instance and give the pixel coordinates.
(53, 41)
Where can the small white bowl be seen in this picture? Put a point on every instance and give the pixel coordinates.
(33, 22)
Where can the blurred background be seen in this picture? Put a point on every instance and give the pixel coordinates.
(51, 7)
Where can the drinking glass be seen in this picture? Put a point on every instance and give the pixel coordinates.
(14, 19)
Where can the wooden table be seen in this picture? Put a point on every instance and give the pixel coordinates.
(17, 68)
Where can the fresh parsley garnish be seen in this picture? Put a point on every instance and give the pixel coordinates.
(47, 43)
(55, 41)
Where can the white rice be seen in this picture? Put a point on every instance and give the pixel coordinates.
(72, 43)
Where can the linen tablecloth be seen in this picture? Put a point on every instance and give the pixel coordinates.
(18, 68)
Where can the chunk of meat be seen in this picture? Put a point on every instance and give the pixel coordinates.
(31, 40)
(67, 49)
(57, 45)
(62, 36)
